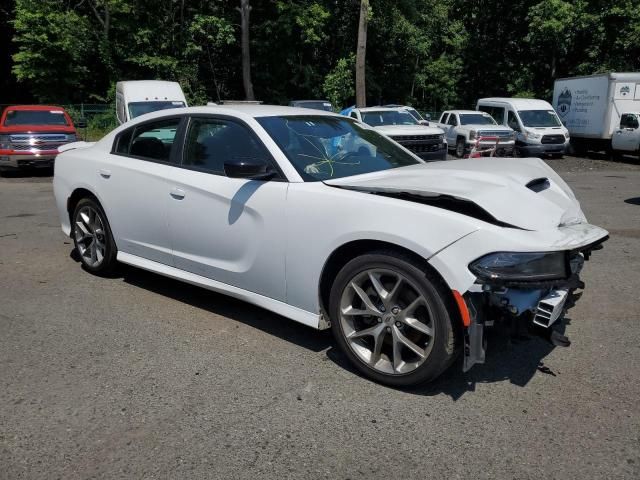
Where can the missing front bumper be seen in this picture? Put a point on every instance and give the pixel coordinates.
(523, 312)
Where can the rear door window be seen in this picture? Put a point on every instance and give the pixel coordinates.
(496, 112)
(149, 141)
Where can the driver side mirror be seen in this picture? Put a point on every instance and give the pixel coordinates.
(248, 169)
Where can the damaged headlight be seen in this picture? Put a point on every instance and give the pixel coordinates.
(521, 266)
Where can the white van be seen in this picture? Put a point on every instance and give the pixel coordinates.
(137, 97)
(539, 131)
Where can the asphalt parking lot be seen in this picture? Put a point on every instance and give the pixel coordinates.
(139, 376)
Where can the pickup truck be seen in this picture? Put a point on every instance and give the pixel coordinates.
(626, 138)
(397, 123)
(463, 127)
(31, 134)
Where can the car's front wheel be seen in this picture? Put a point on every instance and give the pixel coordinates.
(393, 320)
(92, 237)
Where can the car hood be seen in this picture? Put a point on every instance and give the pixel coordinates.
(521, 192)
(395, 130)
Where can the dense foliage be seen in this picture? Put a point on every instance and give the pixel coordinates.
(429, 53)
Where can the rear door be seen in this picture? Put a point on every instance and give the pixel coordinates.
(227, 229)
(133, 184)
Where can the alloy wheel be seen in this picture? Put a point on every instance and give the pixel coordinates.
(90, 236)
(386, 321)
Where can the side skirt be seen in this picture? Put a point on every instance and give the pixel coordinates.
(276, 306)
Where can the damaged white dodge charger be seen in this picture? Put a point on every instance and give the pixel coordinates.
(325, 221)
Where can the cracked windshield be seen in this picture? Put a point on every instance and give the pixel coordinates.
(322, 148)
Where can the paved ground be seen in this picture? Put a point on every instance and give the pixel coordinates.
(143, 377)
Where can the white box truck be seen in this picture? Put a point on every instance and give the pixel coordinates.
(137, 97)
(600, 111)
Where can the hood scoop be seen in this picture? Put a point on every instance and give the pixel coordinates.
(538, 185)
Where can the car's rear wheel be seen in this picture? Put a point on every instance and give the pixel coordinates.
(92, 237)
(393, 320)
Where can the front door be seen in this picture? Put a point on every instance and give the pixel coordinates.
(450, 132)
(626, 137)
(227, 229)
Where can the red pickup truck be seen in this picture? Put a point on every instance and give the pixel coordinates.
(31, 134)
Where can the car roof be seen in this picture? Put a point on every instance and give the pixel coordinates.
(380, 109)
(236, 110)
(466, 111)
(310, 101)
(35, 107)
(518, 103)
(264, 110)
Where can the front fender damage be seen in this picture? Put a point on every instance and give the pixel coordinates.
(525, 309)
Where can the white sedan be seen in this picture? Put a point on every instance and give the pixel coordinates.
(323, 220)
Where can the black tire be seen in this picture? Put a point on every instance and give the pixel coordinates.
(461, 147)
(108, 263)
(617, 155)
(447, 327)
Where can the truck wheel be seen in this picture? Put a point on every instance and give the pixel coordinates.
(461, 147)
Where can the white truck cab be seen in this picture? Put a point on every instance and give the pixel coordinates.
(539, 131)
(465, 128)
(137, 97)
(626, 138)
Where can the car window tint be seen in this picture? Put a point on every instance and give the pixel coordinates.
(452, 120)
(154, 140)
(123, 141)
(628, 121)
(213, 142)
(513, 121)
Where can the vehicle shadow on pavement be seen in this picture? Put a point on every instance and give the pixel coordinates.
(229, 307)
(633, 201)
(506, 360)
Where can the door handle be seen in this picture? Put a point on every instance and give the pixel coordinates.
(177, 193)
(104, 173)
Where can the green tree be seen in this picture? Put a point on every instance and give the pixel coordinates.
(53, 44)
(338, 85)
